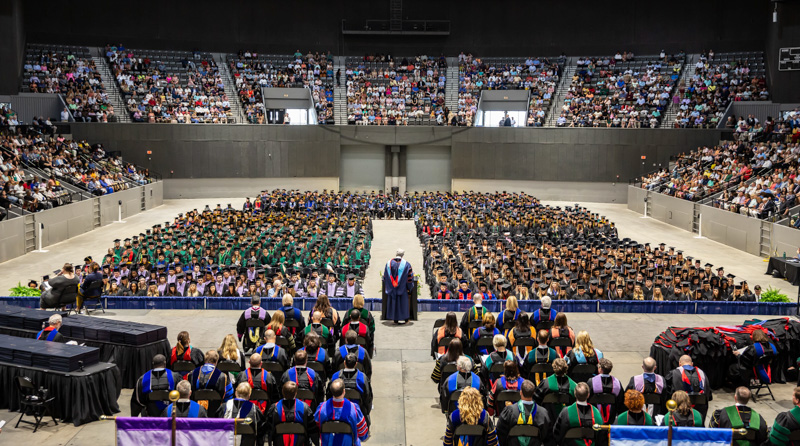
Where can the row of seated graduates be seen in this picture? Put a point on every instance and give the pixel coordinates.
(310, 369)
(208, 391)
(511, 358)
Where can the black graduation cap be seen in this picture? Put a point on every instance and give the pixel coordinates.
(685, 284)
(708, 265)
(730, 276)
(581, 286)
(351, 276)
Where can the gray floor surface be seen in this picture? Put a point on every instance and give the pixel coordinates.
(406, 407)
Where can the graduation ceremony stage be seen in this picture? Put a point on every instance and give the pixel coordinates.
(406, 403)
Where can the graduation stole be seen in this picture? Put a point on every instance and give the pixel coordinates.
(624, 418)
(575, 420)
(779, 435)
(525, 441)
(737, 423)
(698, 421)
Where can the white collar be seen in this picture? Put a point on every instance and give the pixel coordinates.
(582, 403)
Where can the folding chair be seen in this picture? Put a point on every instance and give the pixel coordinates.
(764, 361)
(580, 433)
(524, 430)
(228, 367)
(183, 366)
(469, 430)
(290, 428)
(38, 403)
(337, 428)
(583, 372)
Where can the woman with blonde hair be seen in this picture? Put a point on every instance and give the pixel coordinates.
(152, 290)
(489, 330)
(470, 412)
(276, 325)
(657, 294)
(229, 352)
(638, 294)
(684, 415)
(510, 315)
(366, 316)
(584, 352)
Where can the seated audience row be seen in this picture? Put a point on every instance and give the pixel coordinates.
(71, 73)
(389, 92)
(170, 87)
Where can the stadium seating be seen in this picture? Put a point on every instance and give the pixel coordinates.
(38, 173)
(170, 86)
(70, 72)
(719, 79)
(400, 91)
(618, 91)
(253, 71)
(539, 75)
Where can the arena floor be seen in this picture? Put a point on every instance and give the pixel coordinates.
(406, 406)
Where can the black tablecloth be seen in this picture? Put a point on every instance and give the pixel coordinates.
(81, 397)
(132, 361)
(789, 270)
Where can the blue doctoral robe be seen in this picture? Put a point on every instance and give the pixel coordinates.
(396, 282)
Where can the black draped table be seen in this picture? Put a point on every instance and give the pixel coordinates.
(788, 268)
(84, 389)
(129, 345)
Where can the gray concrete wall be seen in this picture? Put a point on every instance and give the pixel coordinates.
(28, 105)
(12, 239)
(272, 151)
(65, 222)
(636, 197)
(109, 208)
(671, 210)
(362, 167)
(785, 239)
(549, 190)
(428, 167)
(240, 187)
(728, 228)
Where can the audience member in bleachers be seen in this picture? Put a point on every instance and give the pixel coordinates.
(470, 412)
(386, 92)
(619, 92)
(73, 75)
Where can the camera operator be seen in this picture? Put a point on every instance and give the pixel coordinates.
(52, 289)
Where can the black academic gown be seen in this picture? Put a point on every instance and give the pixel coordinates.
(258, 381)
(338, 359)
(140, 403)
(543, 389)
(251, 338)
(289, 412)
(675, 382)
(785, 423)
(720, 419)
(588, 417)
(650, 387)
(239, 408)
(182, 410)
(510, 417)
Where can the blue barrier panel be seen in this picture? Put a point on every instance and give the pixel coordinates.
(646, 306)
(765, 308)
(575, 306)
(239, 303)
(456, 305)
(153, 303)
(25, 302)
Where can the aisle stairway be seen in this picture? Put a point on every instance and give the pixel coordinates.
(112, 89)
(230, 88)
(686, 73)
(451, 88)
(340, 93)
(561, 92)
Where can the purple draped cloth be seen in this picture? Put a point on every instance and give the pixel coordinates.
(189, 431)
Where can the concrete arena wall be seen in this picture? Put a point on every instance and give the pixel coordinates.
(538, 159)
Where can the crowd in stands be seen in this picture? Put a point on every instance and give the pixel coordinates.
(538, 75)
(717, 80)
(253, 71)
(382, 90)
(55, 162)
(170, 87)
(70, 72)
(8, 118)
(620, 91)
(542, 381)
(504, 246)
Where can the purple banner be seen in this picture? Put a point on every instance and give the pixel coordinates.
(190, 431)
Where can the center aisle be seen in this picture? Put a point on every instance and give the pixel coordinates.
(388, 235)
